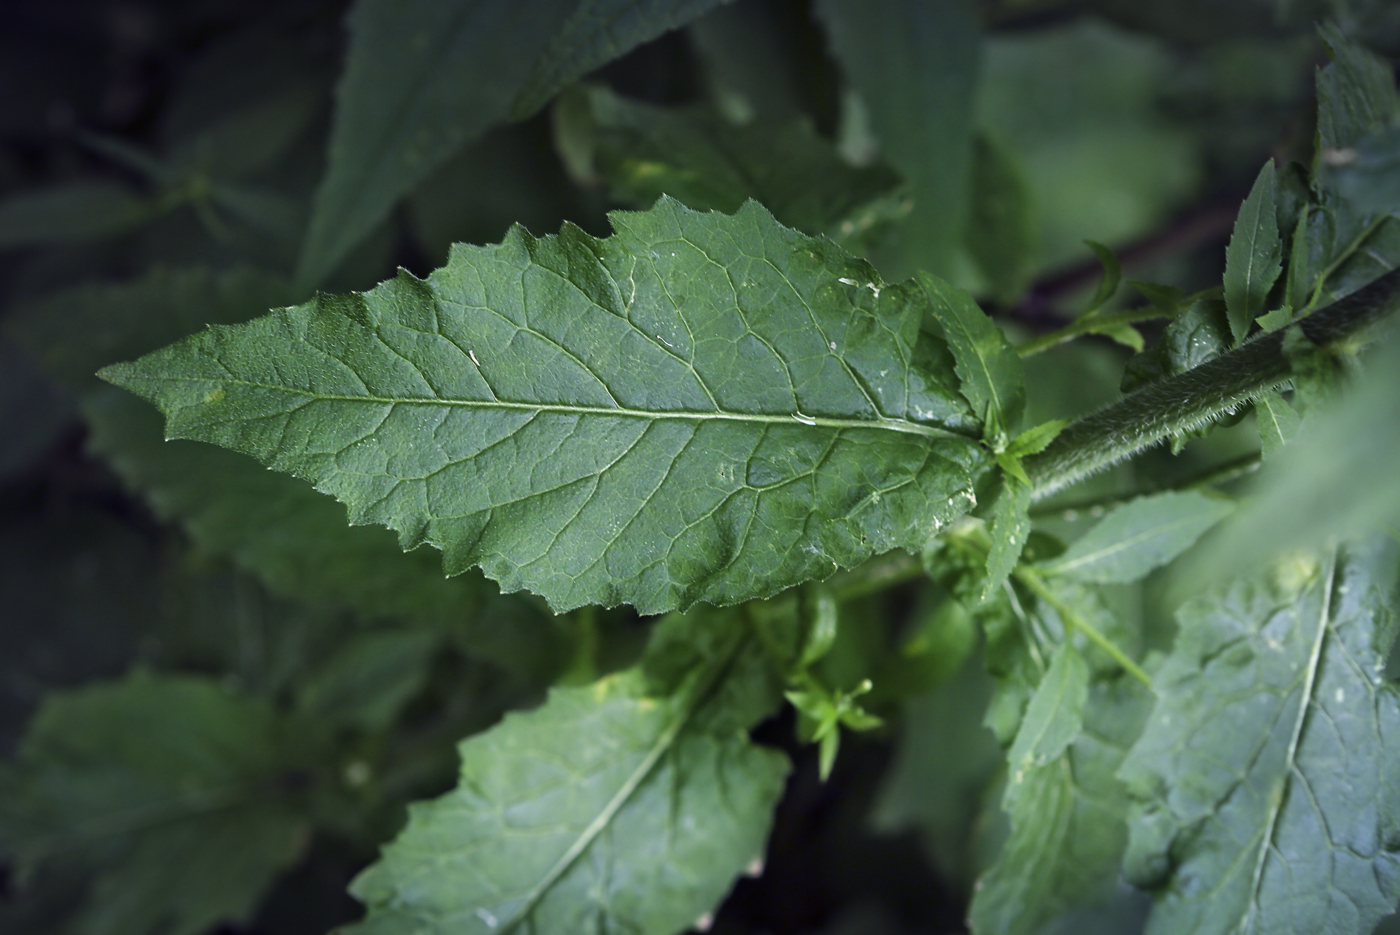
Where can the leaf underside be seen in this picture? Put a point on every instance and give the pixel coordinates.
(1265, 781)
(603, 810)
(700, 407)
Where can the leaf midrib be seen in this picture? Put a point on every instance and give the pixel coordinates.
(795, 418)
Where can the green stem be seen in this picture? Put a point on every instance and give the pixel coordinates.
(1088, 324)
(1074, 621)
(1191, 399)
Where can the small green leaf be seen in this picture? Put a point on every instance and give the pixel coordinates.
(987, 364)
(1167, 299)
(701, 407)
(1010, 526)
(823, 614)
(1053, 718)
(1139, 536)
(702, 160)
(1278, 422)
(1112, 277)
(604, 807)
(1036, 439)
(915, 66)
(1253, 259)
(422, 80)
(71, 213)
(170, 789)
(597, 32)
(1266, 776)
(1280, 317)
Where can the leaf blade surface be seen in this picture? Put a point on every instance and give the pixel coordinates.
(701, 407)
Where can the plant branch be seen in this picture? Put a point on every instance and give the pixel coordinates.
(1192, 399)
(1073, 621)
(1089, 324)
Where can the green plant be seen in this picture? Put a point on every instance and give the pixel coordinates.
(731, 479)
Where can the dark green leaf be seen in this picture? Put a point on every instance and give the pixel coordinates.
(1253, 259)
(71, 213)
(943, 765)
(1355, 93)
(1001, 233)
(706, 162)
(603, 808)
(597, 32)
(422, 79)
(1139, 536)
(1197, 334)
(986, 363)
(369, 679)
(1369, 174)
(700, 407)
(1266, 776)
(1036, 439)
(170, 789)
(915, 66)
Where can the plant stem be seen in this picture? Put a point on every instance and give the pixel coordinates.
(1089, 324)
(1193, 398)
(1073, 621)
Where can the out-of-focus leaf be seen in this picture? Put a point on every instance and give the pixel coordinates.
(915, 66)
(1001, 232)
(1278, 422)
(1253, 259)
(752, 59)
(77, 592)
(170, 790)
(1139, 536)
(1266, 775)
(1053, 718)
(603, 807)
(1068, 829)
(369, 679)
(943, 765)
(730, 408)
(251, 137)
(705, 162)
(597, 32)
(71, 212)
(1339, 478)
(1355, 93)
(1081, 106)
(422, 79)
(33, 412)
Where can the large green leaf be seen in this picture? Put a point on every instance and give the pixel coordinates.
(1265, 781)
(701, 407)
(169, 789)
(915, 65)
(422, 79)
(597, 32)
(704, 161)
(603, 810)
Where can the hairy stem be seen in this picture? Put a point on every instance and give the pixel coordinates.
(1193, 398)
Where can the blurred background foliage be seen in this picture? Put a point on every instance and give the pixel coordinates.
(199, 658)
